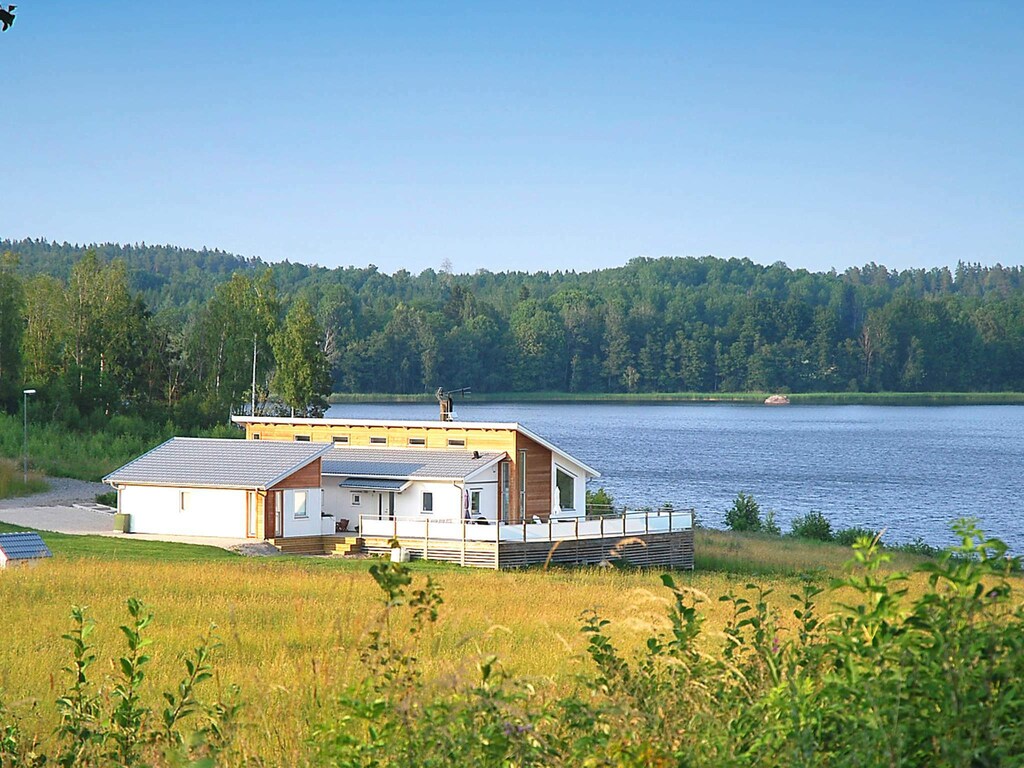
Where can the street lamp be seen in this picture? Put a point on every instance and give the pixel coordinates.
(26, 393)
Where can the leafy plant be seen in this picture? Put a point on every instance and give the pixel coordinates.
(813, 525)
(744, 515)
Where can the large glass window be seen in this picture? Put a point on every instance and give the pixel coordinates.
(566, 489)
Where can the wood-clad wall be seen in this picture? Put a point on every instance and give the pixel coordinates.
(307, 477)
(538, 479)
(484, 440)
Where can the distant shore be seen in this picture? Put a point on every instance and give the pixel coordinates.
(809, 398)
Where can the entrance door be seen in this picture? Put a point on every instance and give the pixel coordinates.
(278, 513)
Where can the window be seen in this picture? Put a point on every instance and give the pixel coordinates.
(377, 440)
(340, 439)
(428, 501)
(184, 500)
(456, 442)
(417, 441)
(505, 492)
(255, 435)
(566, 489)
(356, 501)
(474, 502)
(299, 504)
(302, 438)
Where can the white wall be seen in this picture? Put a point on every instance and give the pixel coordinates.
(486, 481)
(208, 511)
(408, 503)
(295, 525)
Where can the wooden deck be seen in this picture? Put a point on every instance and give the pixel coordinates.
(671, 549)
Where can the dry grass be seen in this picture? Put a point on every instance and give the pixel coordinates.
(291, 628)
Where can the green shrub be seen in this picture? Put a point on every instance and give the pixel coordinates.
(109, 498)
(600, 502)
(849, 536)
(813, 525)
(917, 547)
(744, 515)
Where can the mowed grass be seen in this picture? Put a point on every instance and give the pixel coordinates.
(292, 627)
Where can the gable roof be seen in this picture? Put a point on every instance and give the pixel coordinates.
(23, 546)
(458, 425)
(406, 463)
(202, 462)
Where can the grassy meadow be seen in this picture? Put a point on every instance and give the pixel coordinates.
(291, 628)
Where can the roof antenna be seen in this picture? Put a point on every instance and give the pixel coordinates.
(444, 398)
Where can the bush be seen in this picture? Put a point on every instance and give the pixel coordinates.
(813, 525)
(745, 514)
(849, 536)
(600, 502)
(769, 525)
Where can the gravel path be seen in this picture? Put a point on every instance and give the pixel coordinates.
(63, 491)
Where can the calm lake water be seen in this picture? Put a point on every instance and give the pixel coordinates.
(910, 470)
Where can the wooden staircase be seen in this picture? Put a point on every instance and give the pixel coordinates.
(342, 547)
(300, 545)
(319, 545)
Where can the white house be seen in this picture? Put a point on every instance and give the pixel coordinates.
(222, 487)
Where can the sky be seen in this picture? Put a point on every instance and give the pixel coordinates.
(520, 136)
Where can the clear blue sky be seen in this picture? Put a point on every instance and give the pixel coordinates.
(520, 136)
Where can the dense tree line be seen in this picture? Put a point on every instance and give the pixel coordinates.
(177, 328)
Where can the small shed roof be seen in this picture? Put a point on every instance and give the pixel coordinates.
(401, 463)
(198, 462)
(23, 546)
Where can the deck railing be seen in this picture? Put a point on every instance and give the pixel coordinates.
(566, 529)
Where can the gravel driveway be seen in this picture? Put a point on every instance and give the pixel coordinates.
(63, 491)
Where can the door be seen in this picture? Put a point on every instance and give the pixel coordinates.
(279, 513)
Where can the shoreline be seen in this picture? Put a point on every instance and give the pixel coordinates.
(747, 398)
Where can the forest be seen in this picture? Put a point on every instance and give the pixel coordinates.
(172, 333)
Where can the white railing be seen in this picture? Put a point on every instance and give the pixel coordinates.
(454, 529)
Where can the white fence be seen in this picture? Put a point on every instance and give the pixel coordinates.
(449, 529)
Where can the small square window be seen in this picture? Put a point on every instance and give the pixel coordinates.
(356, 501)
(456, 442)
(302, 438)
(377, 440)
(428, 501)
(340, 439)
(255, 435)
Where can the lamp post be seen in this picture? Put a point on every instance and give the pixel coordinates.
(26, 393)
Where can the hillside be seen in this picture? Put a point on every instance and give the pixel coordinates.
(653, 325)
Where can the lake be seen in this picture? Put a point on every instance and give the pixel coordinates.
(910, 470)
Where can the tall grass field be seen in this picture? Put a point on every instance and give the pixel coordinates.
(732, 664)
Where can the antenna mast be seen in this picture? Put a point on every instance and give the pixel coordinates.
(444, 399)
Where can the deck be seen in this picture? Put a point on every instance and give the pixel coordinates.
(644, 538)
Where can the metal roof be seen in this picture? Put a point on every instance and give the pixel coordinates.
(469, 425)
(411, 463)
(372, 484)
(201, 462)
(23, 546)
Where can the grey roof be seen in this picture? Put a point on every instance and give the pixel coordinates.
(199, 462)
(371, 484)
(405, 463)
(23, 546)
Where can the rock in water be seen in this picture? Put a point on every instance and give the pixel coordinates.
(777, 400)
